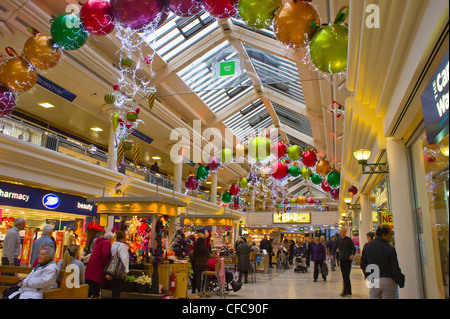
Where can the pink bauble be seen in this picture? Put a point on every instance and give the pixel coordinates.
(280, 171)
(97, 17)
(185, 8)
(7, 101)
(191, 183)
(279, 149)
(138, 14)
(309, 158)
(221, 9)
(213, 163)
(235, 190)
(335, 194)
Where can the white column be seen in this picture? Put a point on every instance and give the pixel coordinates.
(364, 221)
(404, 225)
(213, 187)
(178, 174)
(252, 203)
(112, 151)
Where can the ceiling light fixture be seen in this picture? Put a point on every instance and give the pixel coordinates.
(97, 129)
(156, 157)
(46, 105)
(444, 150)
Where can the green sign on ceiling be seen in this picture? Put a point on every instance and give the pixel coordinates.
(227, 68)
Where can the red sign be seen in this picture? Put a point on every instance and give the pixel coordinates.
(59, 238)
(83, 240)
(26, 247)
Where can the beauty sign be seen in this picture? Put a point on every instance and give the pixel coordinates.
(435, 104)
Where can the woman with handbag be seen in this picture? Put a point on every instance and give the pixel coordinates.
(100, 256)
(120, 249)
(318, 256)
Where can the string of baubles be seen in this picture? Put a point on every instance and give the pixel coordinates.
(277, 162)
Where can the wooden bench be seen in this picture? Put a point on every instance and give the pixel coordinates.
(63, 292)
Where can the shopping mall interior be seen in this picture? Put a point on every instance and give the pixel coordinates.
(173, 120)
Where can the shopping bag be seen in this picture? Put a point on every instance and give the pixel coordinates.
(115, 268)
(324, 270)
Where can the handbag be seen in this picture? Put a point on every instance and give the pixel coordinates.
(324, 269)
(12, 291)
(115, 267)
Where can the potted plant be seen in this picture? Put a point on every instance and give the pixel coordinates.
(143, 284)
(130, 283)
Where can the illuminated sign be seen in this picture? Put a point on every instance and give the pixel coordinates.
(292, 218)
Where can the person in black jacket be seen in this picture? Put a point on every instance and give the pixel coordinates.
(309, 244)
(267, 245)
(380, 259)
(347, 251)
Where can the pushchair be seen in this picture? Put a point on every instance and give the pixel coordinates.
(230, 284)
(300, 264)
(282, 259)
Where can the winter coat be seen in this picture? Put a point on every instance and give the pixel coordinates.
(243, 254)
(41, 279)
(99, 258)
(318, 253)
(36, 247)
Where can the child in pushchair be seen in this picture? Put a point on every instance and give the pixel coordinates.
(282, 259)
(300, 259)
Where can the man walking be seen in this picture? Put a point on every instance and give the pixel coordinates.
(265, 244)
(379, 254)
(347, 251)
(11, 244)
(330, 245)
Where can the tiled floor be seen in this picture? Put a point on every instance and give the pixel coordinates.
(285, 284)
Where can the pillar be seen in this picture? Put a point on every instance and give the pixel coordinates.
(213, 187)
(252, 203)
(364, 219)
(112, 150)
(404, 223)
(178, 174)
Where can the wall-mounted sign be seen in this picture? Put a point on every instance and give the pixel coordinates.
(228, 68)
(92, 149)
(54, 88)
(292, 218)
(435, 104)
(50, 201)
(387, 219)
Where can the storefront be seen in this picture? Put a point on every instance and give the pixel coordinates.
(428, 151)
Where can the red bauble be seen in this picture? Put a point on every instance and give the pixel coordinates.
(311, 201)
(191, 183)
(325, 186)
(335, 194)
(279, 171)
(97, 17)
(7, 101)
(309, 158)
(221, 9)
(279, 150)
(235, 190)
(353, 190)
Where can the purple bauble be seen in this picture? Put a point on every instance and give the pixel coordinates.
(185, 8)
(335, 194)
(7, 101)
(138, 14)
(213, 163)
(252, 177)
(191, 183)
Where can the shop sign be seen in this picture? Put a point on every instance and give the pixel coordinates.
(92, 149)
(292, 218)
(387, 219)
(435, 104)
(26, 247)
(35, 198)
(54, 88)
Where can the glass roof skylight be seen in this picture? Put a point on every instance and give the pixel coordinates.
(293, 119)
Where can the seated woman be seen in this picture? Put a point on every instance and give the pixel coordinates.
(43, 277)
(71, 258)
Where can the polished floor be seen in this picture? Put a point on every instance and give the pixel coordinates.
(285, 284)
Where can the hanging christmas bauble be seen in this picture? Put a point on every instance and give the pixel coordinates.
(301, 200)
(334, 179)
(97, 17)
(325, 186)
(240, 151)
(41, 52)
(185, 8)
(293, 23)
(227, 156)
(234, 189)
(110, 98)
(18, 75)
(310, 201)
(306, 173)
(227, 197)
(132, 116)
(139, 14)
(127, 145)
(191, 183)
(323, 167)
(334, 193)
(353, 190)
(309, 158)
(258, 13)
(68, 32)
(280, 171)
(279, 149)
(243, 182)
(259, 148)
(294, 152)
(293, 201)
(7, 101)
(329, 47)
(294, 171)
(316, 179)
(202, 172)
(221, 9)
(213, 163)
(265, 172)
(126, 63)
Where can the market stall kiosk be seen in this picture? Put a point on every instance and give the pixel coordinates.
(154, 207)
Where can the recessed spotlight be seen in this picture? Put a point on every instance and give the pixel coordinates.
(97, 129)
(156, 157)
(46, 105)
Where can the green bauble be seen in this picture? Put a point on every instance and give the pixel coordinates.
(294, 152)
(294, 171)
(243, 183)
(259, 148)
(68, 32)
(258, 13)
(306, 173)
(226, 197)
(227, 156)
(110, 98)
(329, 47)
(293, 201)
(334, 179)
(202, 172)
(316, 179)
